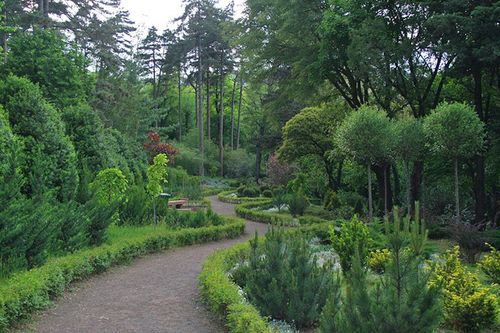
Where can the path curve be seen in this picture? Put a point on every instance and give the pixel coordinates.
(157, 293)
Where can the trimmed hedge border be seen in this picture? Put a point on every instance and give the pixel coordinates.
(33, 290)
(223, 295)
(248, 211)
(226, 197)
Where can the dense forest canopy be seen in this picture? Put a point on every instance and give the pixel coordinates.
(287, 80)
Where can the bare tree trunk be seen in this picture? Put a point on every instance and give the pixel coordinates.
(370, 198)
(386, 212)
(233, 100)
(238, 126)
(200, 107)
(209, 109)
(457, 196)
(221, 119)
(179, 90)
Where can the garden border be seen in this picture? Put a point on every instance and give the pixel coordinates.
(225, 196)
(223, 296)
(246, 211)
(33, 290)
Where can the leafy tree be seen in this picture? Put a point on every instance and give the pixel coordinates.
(454, 131)
(409, 146)
(157, 177)
(310, 133)
(365, 135)
(43, 57)
(50, 161)
(109, 186)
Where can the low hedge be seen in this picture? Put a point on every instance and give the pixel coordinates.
(33, 290)
(227, 197)
(248, 211)
(223, 295)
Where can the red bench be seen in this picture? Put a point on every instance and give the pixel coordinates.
(178, 203)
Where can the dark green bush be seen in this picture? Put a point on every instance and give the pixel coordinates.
(74, 227)
(267, 193)
(135, 209)
(251, 192)
(100, 218)
(284, 280)
(297, 204)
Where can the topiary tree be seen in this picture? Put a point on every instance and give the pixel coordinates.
(366, 136)
(409, 146)
(157, 177)
(454, 130)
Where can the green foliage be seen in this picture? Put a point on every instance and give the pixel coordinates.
(74, 227)
(454, 130)
(238, 163)
(42, 56)
(86, 131)
(109, 186)
(30, 291)
(181, 184)
(378, 260)
(490, 264)
(365, 135)
(50, 158)
(354, 237)
(400, 301)
(297, 204)
(223, 296)
(267, 194)
(284, 280)
(101, 217)
(134, 209)
(468, 306)
(157, 175)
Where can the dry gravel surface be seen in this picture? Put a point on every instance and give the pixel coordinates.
(154, 294)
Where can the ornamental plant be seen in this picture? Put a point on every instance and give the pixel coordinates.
(490, 264)
(378, 260)
(354, 237)
(456, 132)
(157, 177)
(154, 147)
(109, 186)
(468, 305)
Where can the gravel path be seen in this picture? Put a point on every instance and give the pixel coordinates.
(157, 293)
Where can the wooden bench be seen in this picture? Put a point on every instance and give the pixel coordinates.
(178, 203)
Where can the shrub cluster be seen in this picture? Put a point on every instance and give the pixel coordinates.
(468, 306)
(251, 212)
(223, 295)
(33, 290)
(284, 280)
(230, 197)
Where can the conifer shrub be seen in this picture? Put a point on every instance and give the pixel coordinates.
(135, 209)
(490, 264)
(284, 280)
(468, 306)
(354, 236)
(297, 204)
(378, 260)
(401, 301)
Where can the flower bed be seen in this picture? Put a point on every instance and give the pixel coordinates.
(253, 211)
(224, 297)
(33, 290)
(232, 197)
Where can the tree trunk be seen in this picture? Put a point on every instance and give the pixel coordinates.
(179, 90)
(200, 106)
(416, 181)
(209, 109)
(233, 97)
(408, 190)
(385, 191)
(238, 127)
(221, 126)
(457, 197)
(386, 211)
(370, 198)
(479, 165)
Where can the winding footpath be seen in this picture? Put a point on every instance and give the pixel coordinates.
(154, 294)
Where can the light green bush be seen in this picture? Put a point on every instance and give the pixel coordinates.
(468, 306)
(490, 264)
